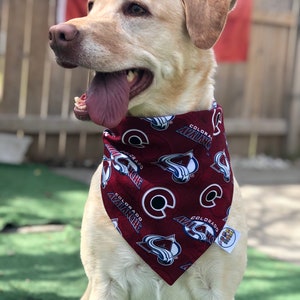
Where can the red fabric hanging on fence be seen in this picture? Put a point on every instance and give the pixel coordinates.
(76, 9)
(69, 9)
(234, 42)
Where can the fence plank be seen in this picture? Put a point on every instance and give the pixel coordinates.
(265, 127)
(267, 18)
(38, 47)
(4, 8)
(53, 125)
(13, 61)
(233, 76)
(34, 124)
(267, 66)
(293, 138)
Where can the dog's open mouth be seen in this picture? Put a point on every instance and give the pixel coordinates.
(106, 100)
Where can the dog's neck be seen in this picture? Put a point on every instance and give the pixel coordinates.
(188, 87)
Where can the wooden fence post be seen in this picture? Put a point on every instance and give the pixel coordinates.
(293, 139)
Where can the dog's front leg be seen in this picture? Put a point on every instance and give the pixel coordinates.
(87, 293)
(99, 241)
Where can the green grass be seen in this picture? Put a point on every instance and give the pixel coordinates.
(269, 279)
(41, 266)
(46, 266)
(33, 195)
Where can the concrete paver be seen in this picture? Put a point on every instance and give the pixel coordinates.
(273, 215)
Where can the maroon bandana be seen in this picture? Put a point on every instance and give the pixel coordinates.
(167, 185)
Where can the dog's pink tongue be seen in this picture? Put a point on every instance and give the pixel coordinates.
(108, 98)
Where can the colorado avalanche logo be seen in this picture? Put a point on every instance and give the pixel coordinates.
(108, 132)
(106, 171)
(182, 166)
(116, 224)
(227, 214)
(221, 165)
(197, 230)
(160, 123)
(217, 121)
(123, 164)
(201, 231)
(165, 248)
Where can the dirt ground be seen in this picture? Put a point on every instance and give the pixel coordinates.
(271, 192)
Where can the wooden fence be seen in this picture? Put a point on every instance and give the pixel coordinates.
(260, 97)
(262, 102)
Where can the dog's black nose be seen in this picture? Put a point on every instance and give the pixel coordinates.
(62, 35)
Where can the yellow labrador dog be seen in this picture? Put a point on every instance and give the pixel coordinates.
(164, 217)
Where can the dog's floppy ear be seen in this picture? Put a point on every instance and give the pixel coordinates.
(205, 20)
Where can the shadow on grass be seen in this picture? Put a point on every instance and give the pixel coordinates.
(44, 266)
(19, 295)
(33, 195)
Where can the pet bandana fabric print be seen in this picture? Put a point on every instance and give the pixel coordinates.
(167, 186)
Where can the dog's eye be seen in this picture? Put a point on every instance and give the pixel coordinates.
(135, 10)
(90, 5)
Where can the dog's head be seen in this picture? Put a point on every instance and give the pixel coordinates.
(142, 51)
